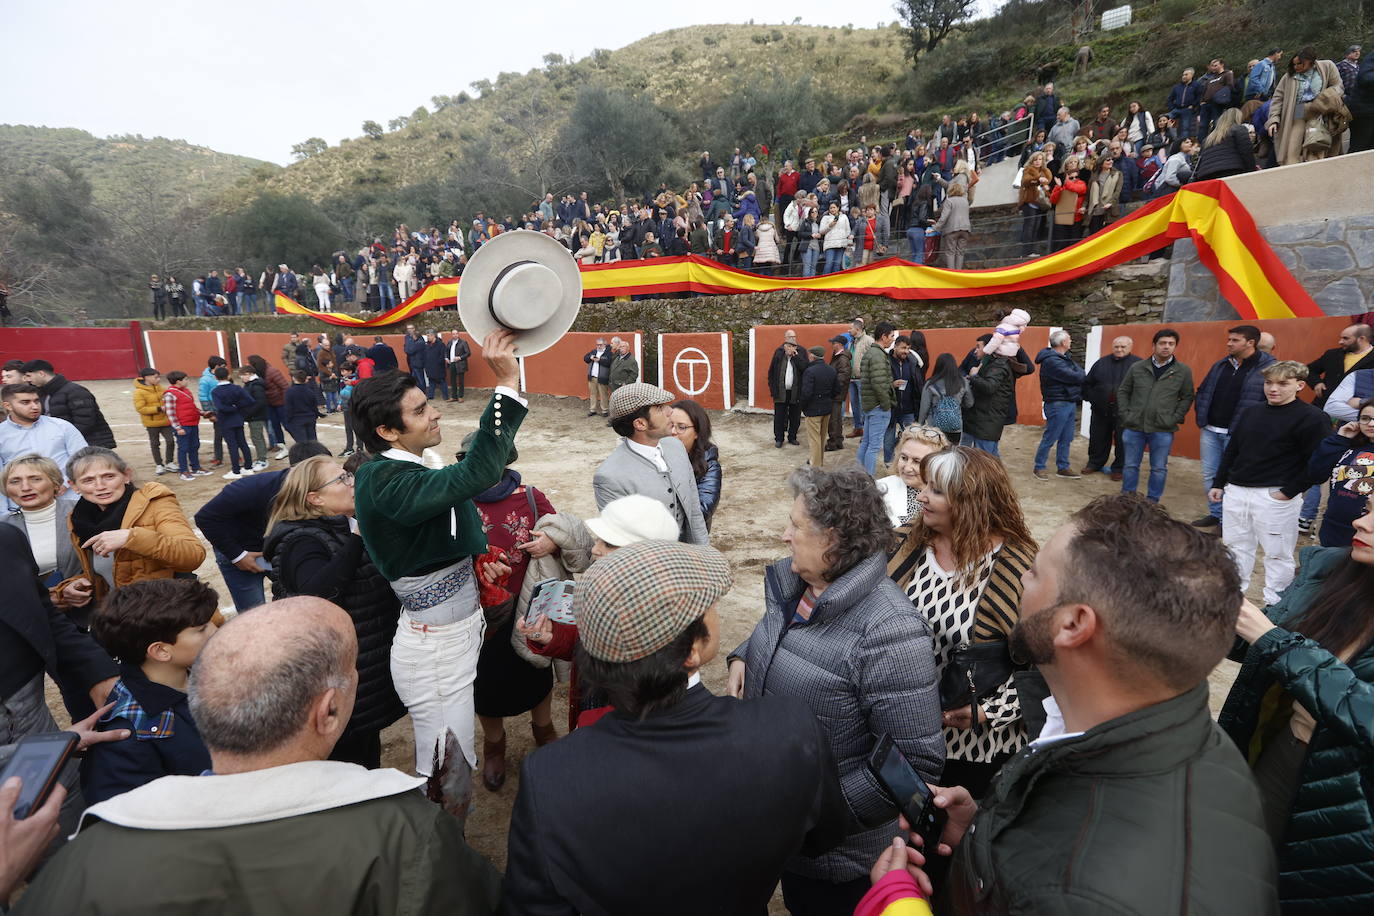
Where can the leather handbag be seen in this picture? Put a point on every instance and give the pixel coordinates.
(974, 671)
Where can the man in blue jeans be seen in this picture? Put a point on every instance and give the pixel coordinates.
(1183, 104)
(907, 379)
(1153, 402)
(1061, 388)
(859, 342)
(877, 396)
(234, 523)
(1233, 384)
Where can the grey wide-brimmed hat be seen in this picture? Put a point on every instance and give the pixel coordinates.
(523, 281)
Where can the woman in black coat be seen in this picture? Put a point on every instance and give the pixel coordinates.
(1228, 149)
(315, 549)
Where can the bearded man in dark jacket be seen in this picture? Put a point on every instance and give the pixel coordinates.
(1131, 796)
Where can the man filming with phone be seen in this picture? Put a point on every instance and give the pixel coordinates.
(1131, 792)
(24, 839)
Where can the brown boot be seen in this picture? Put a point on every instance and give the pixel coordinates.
(494, 763)
(543, 734)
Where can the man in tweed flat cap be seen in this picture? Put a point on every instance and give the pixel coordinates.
(642, 812)
(650, 459)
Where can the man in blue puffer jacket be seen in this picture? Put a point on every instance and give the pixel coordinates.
(207, 404)
(1061, 388)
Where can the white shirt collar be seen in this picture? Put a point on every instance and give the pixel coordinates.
(401, 454)
(1054, 725)
(652, 453)
(693, 679)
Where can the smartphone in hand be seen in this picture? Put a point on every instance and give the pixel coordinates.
(909, 791)
(38, 761)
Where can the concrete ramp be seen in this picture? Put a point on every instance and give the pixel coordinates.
(994, 185)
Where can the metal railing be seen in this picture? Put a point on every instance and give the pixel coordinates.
(1014, 133)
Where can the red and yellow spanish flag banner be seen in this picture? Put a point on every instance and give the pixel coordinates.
(1249, 274)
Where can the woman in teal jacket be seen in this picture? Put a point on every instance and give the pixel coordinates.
(1302, 711)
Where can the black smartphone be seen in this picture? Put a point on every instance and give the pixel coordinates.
(38, 761)
(910, 792)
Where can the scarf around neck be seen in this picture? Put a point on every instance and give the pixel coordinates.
(88, 519)
(509, 483)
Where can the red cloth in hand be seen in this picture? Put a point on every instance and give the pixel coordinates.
(492, 594)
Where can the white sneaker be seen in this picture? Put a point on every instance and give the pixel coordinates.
(169, 467)
(201, 473)
(188, 476)
(259, 465)
(231, 475)
(280, 453)
(159, 470)
(247, 472)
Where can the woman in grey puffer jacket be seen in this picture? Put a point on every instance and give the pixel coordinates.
(839, 634)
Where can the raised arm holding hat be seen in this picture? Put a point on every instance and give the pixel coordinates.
(422, 530)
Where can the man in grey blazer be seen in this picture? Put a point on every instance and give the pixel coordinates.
(649, 460)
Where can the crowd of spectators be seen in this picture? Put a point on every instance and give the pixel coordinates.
(823, 212)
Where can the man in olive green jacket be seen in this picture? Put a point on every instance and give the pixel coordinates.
(1152, 402)
(277, 827)
(876, 395)
(624, 366)
(1131, 799)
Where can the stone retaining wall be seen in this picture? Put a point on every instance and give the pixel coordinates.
(1333, 259)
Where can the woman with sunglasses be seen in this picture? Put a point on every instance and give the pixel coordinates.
(1346, 458)
(315, 549)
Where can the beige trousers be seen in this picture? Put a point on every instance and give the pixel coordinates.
(598, 396)
(816, 428)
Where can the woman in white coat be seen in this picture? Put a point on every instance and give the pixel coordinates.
(835, 233)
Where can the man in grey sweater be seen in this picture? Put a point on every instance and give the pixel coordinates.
(649, 460)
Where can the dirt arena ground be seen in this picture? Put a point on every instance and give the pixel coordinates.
(560, 448)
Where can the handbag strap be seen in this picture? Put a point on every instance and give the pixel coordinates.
(996, 612)
(534, 510)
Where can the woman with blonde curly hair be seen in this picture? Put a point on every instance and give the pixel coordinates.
(960, 562)
(902, 489)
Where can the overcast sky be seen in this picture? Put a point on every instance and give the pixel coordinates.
(254, 77)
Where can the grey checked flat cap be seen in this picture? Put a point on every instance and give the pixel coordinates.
(629, 398)
(640, 598)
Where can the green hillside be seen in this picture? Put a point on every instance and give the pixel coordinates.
(691, 73)
(183, 173)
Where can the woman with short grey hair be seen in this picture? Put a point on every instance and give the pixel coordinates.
(121, 532)
(840, 635)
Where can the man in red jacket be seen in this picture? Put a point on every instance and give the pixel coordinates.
(783, 195)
